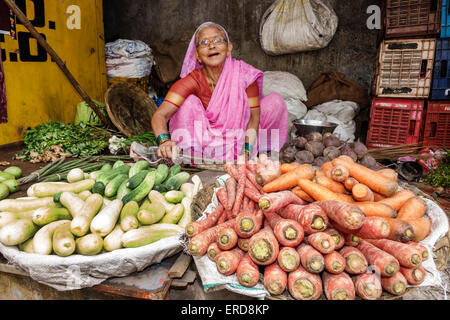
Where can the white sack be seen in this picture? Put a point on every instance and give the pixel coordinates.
(290, 26)
(288, 85)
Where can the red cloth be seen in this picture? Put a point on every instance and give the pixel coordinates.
(195, 83)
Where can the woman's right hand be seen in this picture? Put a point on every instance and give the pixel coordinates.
(165, 149)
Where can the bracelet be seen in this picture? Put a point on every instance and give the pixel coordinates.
(247, 147)
(163, 137)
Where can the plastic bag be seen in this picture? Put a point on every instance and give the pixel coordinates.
(128, 59)
(290, 26)
(85, 114)
(288, 85)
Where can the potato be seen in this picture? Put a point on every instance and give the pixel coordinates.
(346, 150)
(331, 152)
(331, 141)
(304, 156)
(319, 161)
(299, 142)
(315, 147)
(368, 161)
(314, 136)
(359, 148)
(288, 154)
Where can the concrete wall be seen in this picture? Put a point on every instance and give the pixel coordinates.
(352, 51)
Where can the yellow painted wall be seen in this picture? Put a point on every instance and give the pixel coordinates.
(38, 91)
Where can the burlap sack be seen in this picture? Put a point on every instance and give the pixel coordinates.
(335, 86)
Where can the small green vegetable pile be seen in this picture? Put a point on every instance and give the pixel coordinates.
(53, 140)
(441, 176)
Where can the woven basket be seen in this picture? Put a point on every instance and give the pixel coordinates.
(129, 108)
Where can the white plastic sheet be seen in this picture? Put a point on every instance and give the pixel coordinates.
(77, 271)
(212, 279)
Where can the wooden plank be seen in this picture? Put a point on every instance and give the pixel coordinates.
(153, 283)
(180, 266)
(188, 277)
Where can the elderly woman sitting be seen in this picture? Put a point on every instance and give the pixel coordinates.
(216, 110)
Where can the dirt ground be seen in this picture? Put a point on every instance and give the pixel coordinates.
(7, 153)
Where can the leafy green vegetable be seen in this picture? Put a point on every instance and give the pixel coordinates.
(441, 176)
(147, 138)
(79, 140)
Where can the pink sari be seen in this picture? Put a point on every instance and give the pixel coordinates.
(219, 131)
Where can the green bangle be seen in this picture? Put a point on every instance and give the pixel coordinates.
(162, 137)
(247, 147)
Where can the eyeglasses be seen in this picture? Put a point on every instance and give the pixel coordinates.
(206, 42)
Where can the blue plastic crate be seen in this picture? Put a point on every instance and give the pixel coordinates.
(445, 19)
(441, 74)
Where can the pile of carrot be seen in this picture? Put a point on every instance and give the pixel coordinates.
(341, 230)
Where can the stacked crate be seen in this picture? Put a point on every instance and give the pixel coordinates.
(404, 72)
(437, 121)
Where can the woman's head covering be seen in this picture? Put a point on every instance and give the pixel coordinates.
(190, 62)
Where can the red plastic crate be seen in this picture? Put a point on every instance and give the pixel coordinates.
(437, 124)
(394, 122)
(409, 18)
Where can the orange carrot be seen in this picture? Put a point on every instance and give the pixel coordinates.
(370, 178)
(376, 209)
(389, 173)
(245, 204)
(351, 240)
(311, 217)
(414, 208)
(195, 227)
(322, 242)
(339, 174)
(275, 279)
(275, 201)
(398, 199)
(401, 230)
(227, 238)
(252, 178)
(252, 166)
(368, 286)
(243, 244)
(303, 285)
(222, 196)
(422, 249)
(213, 251)
(377, 196)
(286, 167)
(407, 256)
(247, 272)
(288, 259)
(414, 276)
(289, 179)
(310, 258)
(223, 217)
(288, 232)
(247, 224)
(241, 187)
(252, 194)
(346, 215)
(318, 192)
(372, 228)
(228, 261)
(421, 227)
(302, 194)
(230, 184)
(395, 284)
(331, 184)
(263, 247)
(326, 168)
(319, 173)
(334, 262)
(361, 192)
(337, 236)
(385, 263)
(251, 206)
(338, 286)
(355, 262)
(349, 183)
(198, 245)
